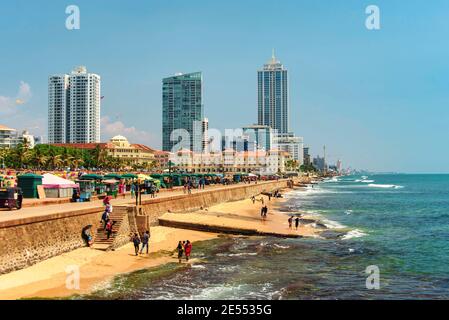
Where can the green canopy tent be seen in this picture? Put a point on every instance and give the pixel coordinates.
(91, 176)
(113, 176)
(129, 176)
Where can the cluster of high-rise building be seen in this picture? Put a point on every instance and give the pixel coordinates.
(183, 112)
(74, 104)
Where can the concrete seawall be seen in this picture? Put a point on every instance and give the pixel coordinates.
(29, 240)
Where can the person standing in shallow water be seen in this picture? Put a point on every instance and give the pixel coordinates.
(297, 223)
(188, 249)
(180, 249)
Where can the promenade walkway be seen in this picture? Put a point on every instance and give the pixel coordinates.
(46, 210)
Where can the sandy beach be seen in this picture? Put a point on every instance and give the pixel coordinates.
(47, 279)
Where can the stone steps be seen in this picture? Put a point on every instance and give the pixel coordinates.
(101, 241)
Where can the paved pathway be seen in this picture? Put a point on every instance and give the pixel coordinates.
(29, 212)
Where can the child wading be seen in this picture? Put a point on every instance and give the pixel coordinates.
(135, 239)
(188, 249)
(180, 249)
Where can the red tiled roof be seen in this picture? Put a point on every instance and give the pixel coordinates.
(88, 146)
(143, 147)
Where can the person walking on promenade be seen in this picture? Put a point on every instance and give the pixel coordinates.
(188, 249)
(290, 222)
(185, 187)
(180, 249)
(136, 241)
(262, 212)
(253, 199)
(133, 190)
(297, 223)
(203, 180)
(189, 187)
(145, 241)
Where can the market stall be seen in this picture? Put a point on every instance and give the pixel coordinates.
(57, 187)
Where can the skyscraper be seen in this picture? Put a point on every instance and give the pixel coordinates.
(260, 135)
(273, 96)
(74, 107)
(182, 110)
(273, 108)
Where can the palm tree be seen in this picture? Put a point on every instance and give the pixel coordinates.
(55, 161)
(22, 155)
(99, 156)
(3, 155)
(77, 162)
(39, 159)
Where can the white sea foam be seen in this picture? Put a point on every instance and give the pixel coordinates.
(219, 292)
(331, 224)
(348, 212)
(281, 247)
(391, 186)
(356, 233)
(242, 254)
(198, 266)
(367, 181)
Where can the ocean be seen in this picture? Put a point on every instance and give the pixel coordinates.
(398, 223)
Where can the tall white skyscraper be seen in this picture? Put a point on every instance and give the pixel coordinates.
(74, 107)
(272, 85)
(273, 108)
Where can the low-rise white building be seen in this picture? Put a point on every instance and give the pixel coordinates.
(11, 138)
(231, 161)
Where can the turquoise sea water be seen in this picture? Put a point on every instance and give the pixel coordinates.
(399, 223)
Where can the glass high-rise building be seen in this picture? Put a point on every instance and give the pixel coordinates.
(272, 83)
(182, 112)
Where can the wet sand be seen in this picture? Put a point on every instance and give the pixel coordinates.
(47, 279)
(243, 215)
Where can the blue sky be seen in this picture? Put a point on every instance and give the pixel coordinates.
(377, 99)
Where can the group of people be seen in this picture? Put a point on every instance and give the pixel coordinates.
(188, 187)
(253, 199)
(146, 187)
(290, 222)
(105, 217)
(136, 240)
(264, 212)
(184, 248)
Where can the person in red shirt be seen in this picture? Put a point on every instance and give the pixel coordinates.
(188, 249)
